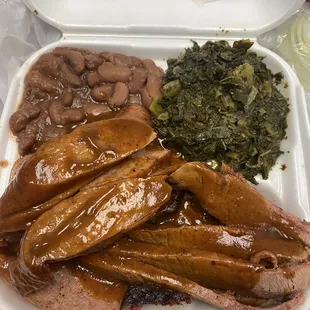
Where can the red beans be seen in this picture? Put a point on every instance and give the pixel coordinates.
(146, 98)
(74, 58)
(70, 86)
(67, 99)
(49, 65)
(120, 96)
(60, 116)
(21, 118)
(102, 93)
(153, 86)
(69, 78)
(114, 73)
(93, 61)
(138, 79)
(93, 79)
(44, 83)
(151, 67)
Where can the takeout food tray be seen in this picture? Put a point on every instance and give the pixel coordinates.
(159, 30)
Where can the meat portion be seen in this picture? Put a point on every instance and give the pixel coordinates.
(22, 219)
(169, 166)
(133, 271)
(136, 112)
(67, 291)
(231, 241)
(183, 210)
(90, 219)
(232, 201)
(61, 163)
(138, 165)
(218, 271)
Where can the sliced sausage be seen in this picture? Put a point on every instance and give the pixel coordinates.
(44, 83)
(21, 118)
(138, 79)
(92, 61)
(151, 67)
(120, 95)
(93, 79)
(113, 73)
(102, 93)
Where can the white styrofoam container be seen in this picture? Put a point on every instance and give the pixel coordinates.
(161, 29)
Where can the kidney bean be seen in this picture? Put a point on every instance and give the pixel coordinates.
(153, 86)
(60, 51)
(107, 56)
(67, 99)
(72, 116)
(69, 78)
(102, 93)
(55, 111)
(93, 79)
(136, 62)
(44, 83)
(114, 73)
(119, 96)
(27, 139)
(38, 95)
(49, 65)
(21, 118)
(96, 112)
(151, 67)
(146, 98)
(60, 116)
(138, 79)
(122, 60)
(92, 61)
(73, 57)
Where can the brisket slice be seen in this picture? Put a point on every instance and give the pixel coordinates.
(67, 292)
(132, 271)
(228, 240)
(232, 201)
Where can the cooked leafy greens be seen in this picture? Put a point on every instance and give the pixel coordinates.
(221, 103)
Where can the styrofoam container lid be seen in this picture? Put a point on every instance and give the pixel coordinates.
(193, 18)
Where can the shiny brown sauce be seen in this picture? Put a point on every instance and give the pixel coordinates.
(98, 286)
